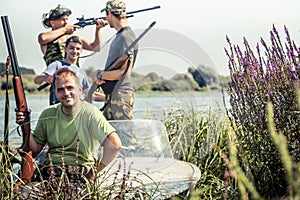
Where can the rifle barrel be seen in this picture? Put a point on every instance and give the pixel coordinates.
(20, 98)
(10, 43)
(142, 10)
(90, 21)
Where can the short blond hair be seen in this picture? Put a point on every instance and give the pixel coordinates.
(64, 72)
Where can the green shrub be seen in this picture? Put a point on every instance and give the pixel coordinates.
(270, 76)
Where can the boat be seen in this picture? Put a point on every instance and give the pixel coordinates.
(147, 157)
(145, 165)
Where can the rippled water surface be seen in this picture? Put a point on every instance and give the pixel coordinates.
(155, 104)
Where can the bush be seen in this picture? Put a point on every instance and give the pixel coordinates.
(256, 80)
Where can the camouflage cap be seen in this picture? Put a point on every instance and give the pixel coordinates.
(115, 6)
(55, 13)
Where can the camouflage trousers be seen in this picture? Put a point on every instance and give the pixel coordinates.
(120, 106)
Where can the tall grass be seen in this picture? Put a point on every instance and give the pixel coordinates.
(201, 138)
(107, 185)
(7, 176)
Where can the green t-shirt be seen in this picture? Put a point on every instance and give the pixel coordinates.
(61, 132)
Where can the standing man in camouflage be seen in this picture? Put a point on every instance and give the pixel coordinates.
(52, 43)
(120, 97)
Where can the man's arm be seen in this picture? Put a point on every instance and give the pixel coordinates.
(96, 44)
(97, 96)
(47, 75)
(34, 146)
(43, 78)
(49, 36)
(111, 147)
(115, 74)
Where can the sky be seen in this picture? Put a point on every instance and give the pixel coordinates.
(186, 34)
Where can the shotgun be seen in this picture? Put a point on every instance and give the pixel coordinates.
(90, 21)
(118, 63)
(27, 165)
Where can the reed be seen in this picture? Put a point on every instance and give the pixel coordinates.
(201, 138)
(7, 176)
(61, 184)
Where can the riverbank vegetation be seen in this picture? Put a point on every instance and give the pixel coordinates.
(252, 150)
(264, 117)
(200, 79)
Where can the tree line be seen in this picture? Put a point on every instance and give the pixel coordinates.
(201, 78)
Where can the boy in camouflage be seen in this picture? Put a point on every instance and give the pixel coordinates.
(52, 43)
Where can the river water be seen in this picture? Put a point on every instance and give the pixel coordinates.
(153, 105)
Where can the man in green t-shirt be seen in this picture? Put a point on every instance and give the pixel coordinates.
(74, 121)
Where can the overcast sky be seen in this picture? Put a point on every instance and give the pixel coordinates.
(187, 33)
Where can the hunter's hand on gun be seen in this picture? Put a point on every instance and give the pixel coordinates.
(43, 78)
(100, 23)
(20, 117)
(96, 79)
(70, 29)
(49, 79)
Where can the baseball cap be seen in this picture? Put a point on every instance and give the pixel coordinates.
(116, 7)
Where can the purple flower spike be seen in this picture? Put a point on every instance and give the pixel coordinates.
(263, 43)
(246, 42)
(229, 65)
(259, 118)
(227, 53)
(272, 35)
(241, 118)
(251, 118)
(274, 29)
(227, 39)
(294, 75)
(282, 99)
(257, 47)
(270, 93)
(286, 30)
